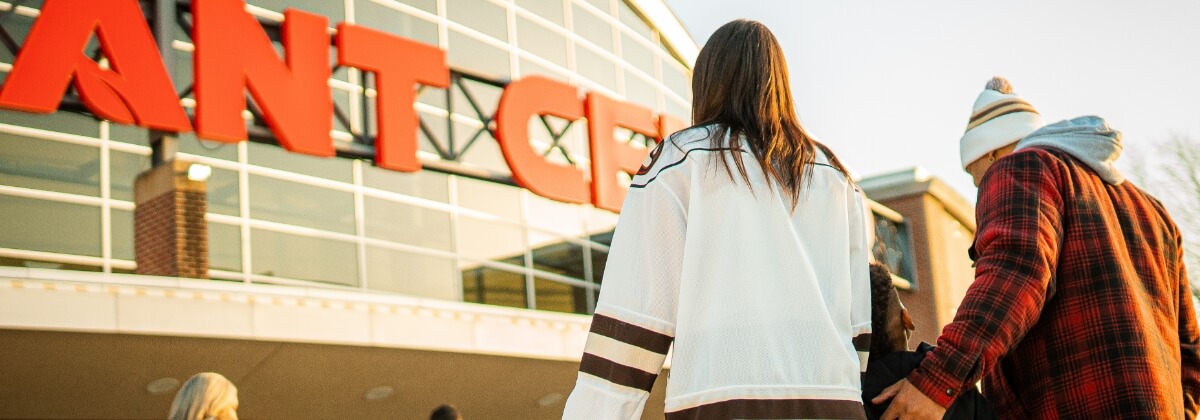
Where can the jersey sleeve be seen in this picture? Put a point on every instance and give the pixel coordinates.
(860, 277)
(634, 323)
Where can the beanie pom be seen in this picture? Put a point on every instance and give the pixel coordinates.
(999, 84)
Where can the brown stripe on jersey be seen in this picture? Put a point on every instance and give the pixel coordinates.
(617, 373)
(862, 342)
(774, 409)
(631, 334)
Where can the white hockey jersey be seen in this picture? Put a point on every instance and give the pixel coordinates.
(768, 309)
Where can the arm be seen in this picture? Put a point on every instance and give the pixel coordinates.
(860, 277)
(634, 323)
(1019, 213)
(1189, 340)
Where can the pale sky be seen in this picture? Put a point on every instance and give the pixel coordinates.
(889, 85)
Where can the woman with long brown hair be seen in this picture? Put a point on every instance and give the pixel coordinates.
(742, 243)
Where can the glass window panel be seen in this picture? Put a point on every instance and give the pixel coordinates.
(298, 204)
(683, 112)
(640, 91)
(40, 225)
(18, 27)
(61, 122)
(430, 95)
(33, 263)
(551, 10)
(272, 156)
(633, 21)
(676, 79)
(182, 75)
(124, 169)
(555, 216)
(893, 247)
(541, 41)
(188, 143)
(593, 28)
(129, 134)
(122, 234)
(489, 240)
(480, 15)
(305, 258)
(334, 10)
(490, 197)
(437, 125)
(407, 224)
(599, 259)
(476, 56)
(411, 274)
(224, 247)
(487, 98)
(380, 16)
(604, 5)
(341, 100)
(600, 225)
(424, 184)
(49, 165)
(494, 287)
(529, 67)
(556, 255)
(426, 5)
(224, 195)
(637, 54)
(484, 152)
(551, 295)
(595, 67)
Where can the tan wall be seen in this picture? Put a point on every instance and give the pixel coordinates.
(943, 268)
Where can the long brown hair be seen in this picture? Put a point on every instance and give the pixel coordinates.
(740, 85)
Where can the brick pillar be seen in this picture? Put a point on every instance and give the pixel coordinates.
(170, 233)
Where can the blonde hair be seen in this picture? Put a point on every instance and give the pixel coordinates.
(205, 396)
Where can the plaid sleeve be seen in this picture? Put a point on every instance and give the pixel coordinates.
(1189, 340)
(1019, 213)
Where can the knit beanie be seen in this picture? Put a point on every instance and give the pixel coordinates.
(999, 118)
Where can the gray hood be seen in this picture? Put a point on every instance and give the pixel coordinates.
(1087, 138)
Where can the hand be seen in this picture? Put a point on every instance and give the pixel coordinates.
(908, 402)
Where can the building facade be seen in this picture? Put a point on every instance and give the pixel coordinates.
(339, 286)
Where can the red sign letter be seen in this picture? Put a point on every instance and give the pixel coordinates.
(233, 53)
(668, 125)
(398, 64)
(608, 155)
(522, 100)
(137, 89)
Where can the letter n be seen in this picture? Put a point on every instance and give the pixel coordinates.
(233, 53)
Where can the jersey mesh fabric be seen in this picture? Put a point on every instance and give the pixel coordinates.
(761, 302)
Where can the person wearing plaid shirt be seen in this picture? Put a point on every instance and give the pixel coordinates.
(1080, 307)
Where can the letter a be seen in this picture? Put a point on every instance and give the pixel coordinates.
(136, 90)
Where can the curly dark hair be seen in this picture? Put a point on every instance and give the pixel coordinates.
(881, 299)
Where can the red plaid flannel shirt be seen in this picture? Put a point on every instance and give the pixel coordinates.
(1080, 306)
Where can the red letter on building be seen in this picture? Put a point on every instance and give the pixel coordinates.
(609, 155)
(398, 64)
(522, 100)
(233, 53)
(136, 90)
(668, 125)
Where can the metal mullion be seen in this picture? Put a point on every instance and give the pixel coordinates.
(105, 196)
(52, 256)
(456, 259)
(530, 292)
(244, 209)
(360, 227)
(50, 135)
(453, 154)
(304, 231)
(412, 249)
(51, 196)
